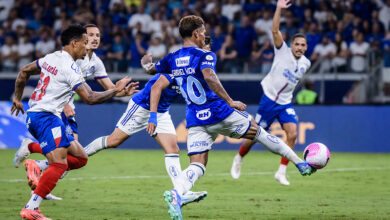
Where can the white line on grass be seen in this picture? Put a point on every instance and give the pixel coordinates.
(358, 169)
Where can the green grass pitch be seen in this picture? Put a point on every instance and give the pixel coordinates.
(128, 184)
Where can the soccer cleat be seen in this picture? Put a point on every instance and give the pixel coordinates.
(22, 153)
(190, 197)
(33, 173)
(52, 197)
(173, 199)
(282, 179)
(305, 169)
(235, 171)
(30, 214)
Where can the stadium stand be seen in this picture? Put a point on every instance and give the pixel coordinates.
(348, 41)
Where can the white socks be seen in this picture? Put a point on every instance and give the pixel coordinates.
(189, 176)
(97, 145)
(282, 169)
(43, 164)
(34, 202)
(173, 167)
(276, 145)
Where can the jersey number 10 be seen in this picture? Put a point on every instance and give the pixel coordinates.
(189, 93)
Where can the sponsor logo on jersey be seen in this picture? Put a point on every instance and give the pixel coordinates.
(43, 144)
(207, 63)
(209, 57)
(203, 114)
(290, 76)
(183, 61)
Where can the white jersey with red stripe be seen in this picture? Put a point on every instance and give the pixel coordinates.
(60, 76)
(286, 71)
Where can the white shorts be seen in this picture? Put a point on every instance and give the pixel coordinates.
(136, 119)
(200, 138)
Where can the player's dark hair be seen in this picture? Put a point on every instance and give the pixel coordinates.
(188, 24)
(73, 32)
(298, 35)
(90, 25)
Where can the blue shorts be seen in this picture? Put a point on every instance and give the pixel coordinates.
(269, 110)
(49, 130)
(70, 124)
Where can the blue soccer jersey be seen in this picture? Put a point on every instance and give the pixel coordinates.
(185, 66)
(142, 98)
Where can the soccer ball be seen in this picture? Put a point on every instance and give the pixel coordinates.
(317, 155)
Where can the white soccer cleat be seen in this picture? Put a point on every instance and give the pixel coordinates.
(235, 171)
(22, 153)
(282, 179)
(190, 197)
(52, 197)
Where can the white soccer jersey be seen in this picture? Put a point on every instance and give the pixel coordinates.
(286, 71)
(92, 67)
(60, 75)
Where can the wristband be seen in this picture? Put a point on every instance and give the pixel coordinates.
(153, 118)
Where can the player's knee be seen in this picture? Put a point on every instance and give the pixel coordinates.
(292, 135)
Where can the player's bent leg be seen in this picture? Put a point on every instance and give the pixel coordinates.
(245, 147)
(276, 145)
(76, 157)
(112, 141)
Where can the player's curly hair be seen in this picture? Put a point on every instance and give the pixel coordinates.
(189, 24)
(73, 32)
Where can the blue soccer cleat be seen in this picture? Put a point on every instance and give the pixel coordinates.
(305, 169)
(173, 199)
(190, 197)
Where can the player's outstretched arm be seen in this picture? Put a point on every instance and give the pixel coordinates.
(148, 65)
(155, 95)
(216, 85)
(20, 82)
(91, 97)
(276, 34)
(107, 84)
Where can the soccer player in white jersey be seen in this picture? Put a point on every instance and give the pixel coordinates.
(91, 66)
(210, 109)
(59, 77)
(288, 67)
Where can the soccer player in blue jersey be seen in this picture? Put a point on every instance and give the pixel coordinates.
(210, 110)
(135, 119)
(288, 67)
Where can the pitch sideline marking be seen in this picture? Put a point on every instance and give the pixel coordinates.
(216, 174)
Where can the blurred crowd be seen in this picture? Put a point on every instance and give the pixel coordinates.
(346, 36)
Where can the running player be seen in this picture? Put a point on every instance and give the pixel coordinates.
(135, 119)
(59, 77)
(288, 67)
(210, 110)
(90, 65)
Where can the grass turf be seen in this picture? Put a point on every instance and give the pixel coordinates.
(129, 184)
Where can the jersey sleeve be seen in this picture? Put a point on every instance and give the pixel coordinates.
(100, 70)
(209, 60)
(163, 66)
(283, 49)
(169, 77)
(74, 76)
